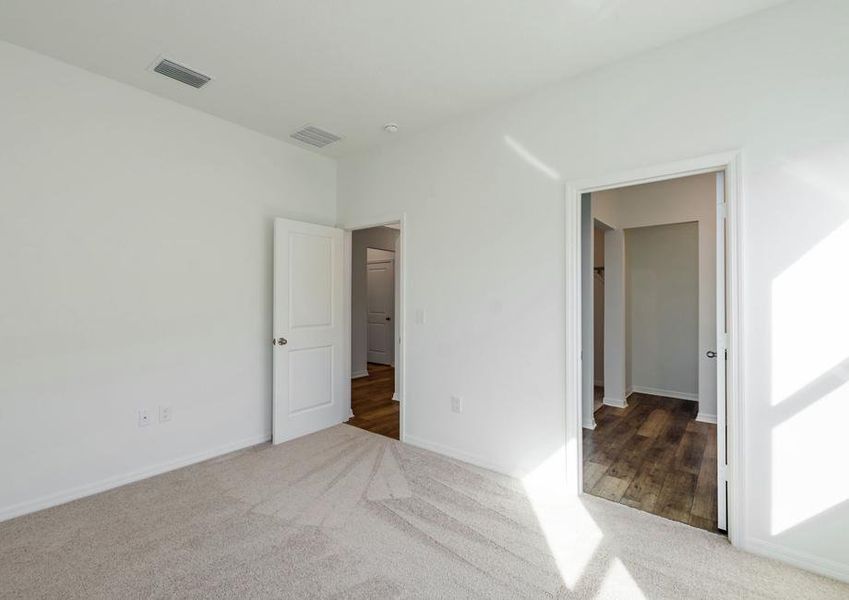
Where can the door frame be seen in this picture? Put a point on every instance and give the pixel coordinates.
(730, 163)
(400, 308)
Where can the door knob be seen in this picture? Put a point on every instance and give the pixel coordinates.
(710, 354)
(281, 341)
(388, 318)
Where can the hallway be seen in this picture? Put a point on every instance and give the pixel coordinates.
(372, 404)
(654, 456)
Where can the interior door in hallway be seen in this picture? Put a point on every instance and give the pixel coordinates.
(380, 282)
(309, 330)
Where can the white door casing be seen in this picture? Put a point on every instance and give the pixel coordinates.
(308, 331)
(380, 285)
(721, 354)
(729, 405)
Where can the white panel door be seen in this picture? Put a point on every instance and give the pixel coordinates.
(721, 356)
(308, 336)
(380, 284)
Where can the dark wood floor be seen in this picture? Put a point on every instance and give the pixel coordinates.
(654, 456)
(372, 403)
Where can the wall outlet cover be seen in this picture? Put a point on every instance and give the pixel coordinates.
(456, 404)
(144, 417)
(164, 414)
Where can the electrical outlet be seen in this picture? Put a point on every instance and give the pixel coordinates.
(456, 404)
(144, 417)
(164, 414)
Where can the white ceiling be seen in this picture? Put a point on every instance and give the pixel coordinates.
(351, 66)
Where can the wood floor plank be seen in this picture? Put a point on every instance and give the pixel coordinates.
(654, 424)
(654, 456)
(610, 488)
(646, 485)
(688, 456)
(372, 404)
(593, 471)
(676, 496)
(704, 502)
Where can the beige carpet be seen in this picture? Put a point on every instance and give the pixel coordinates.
(348, 514)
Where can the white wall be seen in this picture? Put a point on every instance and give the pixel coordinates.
(598, 307)
(379, 238)
(615, 319)
(677, 200)
(662, 281)
(135, 252)
(587, 357)
(484, 198)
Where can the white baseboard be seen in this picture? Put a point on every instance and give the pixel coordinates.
(615, 402)
(75, 493)
(396, 397)
(706, 418)
(667, 393)
(803, 560)
(460, 455)
(589, 424)
(358, 374)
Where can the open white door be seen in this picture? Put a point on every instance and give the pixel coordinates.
(721, 356)
(308, 337)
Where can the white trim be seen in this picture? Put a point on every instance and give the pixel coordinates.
(803, 560)
(400, 310)
(706, 418)
(639, 389)
(615, 402)
(466, 457)
(736, 416)
(359, 374)
(650, 174)
(591, 424)
(730, 162)
(89, 489)
(396, 397)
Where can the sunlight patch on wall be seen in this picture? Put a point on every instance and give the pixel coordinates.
(531, 159)
(810, 316)
(808, 461)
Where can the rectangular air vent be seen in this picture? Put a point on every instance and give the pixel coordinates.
(315, 136)
(180, 73)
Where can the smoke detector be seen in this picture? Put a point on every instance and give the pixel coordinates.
(391, 128)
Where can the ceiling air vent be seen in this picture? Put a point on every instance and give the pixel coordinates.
(315, 136)
(180, 73)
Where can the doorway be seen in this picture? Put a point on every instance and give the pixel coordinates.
(628, 433)
(375, 339)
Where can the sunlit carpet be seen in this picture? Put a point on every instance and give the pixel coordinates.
(345, 513)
